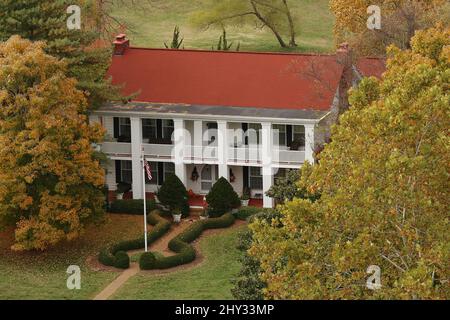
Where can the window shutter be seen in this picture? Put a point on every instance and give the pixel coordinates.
(118, 171)
(159, 134)
(116, 127)
(245, 129)
(160, 173)
(288, 135)
(246, 176)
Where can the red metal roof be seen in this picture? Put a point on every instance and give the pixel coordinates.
(240, 79)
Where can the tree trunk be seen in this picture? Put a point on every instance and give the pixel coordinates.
(292, 42)
(269, 25)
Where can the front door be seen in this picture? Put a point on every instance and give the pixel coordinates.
(208, 177)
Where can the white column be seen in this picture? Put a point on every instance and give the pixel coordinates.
(309, 143)
(136, 152)
(222, 148)
(179, 143)
(198, 141)
(267, 149)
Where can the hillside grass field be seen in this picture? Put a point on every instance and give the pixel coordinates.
(150, 24)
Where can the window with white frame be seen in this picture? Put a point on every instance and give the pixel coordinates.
(281, 129)
(126, 171)
(298, 135)
(169, 168)
(154, 171)
(255, 178)
(149, 128)
(254, 133)
(167, 129)
(124, 127)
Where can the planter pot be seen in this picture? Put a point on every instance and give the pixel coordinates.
(244, 203)
(176, 218)
(120, 196)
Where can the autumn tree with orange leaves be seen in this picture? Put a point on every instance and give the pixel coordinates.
(400, 19)
(50, 177)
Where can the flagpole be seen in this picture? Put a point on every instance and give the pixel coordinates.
(145, 200)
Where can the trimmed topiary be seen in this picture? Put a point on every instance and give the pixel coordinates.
(122, 260)
(108, 257)
(173, 195)
(245, 212)
(181, 243)
(222, 198)
(147, 261)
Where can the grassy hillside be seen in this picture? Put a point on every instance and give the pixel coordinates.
(150, 25)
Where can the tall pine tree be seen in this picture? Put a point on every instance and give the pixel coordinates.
(44, 20)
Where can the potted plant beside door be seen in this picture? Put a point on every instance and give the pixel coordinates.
(176, 214)
(122, 187)
(245, 199)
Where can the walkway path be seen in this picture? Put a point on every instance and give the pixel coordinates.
(160, 245)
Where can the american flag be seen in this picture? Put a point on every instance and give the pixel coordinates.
(148, 170)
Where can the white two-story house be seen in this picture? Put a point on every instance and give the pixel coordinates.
(202, 115)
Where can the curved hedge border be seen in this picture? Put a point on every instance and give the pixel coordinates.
(114, 255)
(181, 244)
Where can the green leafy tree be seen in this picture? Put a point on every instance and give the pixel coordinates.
(248, 284)
(173, 195)
(222, 198)
(286, 189)
(40, 20)
(384, 191)
(275, 15)
(51, 180)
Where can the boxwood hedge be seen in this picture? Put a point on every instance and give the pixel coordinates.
(109, 256)
(181, 244)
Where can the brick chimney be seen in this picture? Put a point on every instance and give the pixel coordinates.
(121, 44)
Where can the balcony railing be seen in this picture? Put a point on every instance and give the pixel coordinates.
(244, 155)
(201, 154)
(116, 149)
(288, 157)
(158, 151)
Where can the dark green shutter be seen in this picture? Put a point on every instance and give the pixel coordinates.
(118, 171)
(160, 173)
(288, 135)
(246, 176)
(159, 134)
(116, 127)
(245, 129)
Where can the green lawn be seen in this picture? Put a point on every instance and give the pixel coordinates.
(152, 25)
(42, 275)
(211, 280)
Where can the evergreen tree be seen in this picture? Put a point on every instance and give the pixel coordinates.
(173, 195)
(222, 198)
(43, 20)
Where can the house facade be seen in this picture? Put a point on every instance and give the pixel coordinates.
(247, 117)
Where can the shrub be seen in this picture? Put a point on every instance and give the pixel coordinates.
(173, 195)
(123, 187)
(122, 260)
(108, 256)
(132, 206)
(222, 198)
(180, 244)
(246, 212)
(147, 261)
